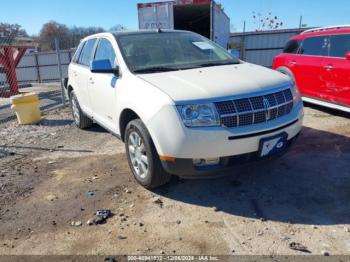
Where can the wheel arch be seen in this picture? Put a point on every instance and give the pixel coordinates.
(126, 116)
(286, 71)
(69, 90)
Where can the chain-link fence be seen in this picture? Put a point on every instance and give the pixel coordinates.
(24, 68)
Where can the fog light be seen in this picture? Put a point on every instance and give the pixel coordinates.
(206, 162)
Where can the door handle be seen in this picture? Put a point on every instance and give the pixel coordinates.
(328, 67)
(75, 73)
(91, 80)
(292, 63)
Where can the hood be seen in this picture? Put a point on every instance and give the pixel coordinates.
(216, 82)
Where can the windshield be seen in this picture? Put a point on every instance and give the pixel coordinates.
(168, 51)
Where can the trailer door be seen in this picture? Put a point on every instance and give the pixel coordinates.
(220, 26)
(156, 15)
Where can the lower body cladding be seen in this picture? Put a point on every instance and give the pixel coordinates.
(209, 151)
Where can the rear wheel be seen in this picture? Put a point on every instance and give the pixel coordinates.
(143, 157)
(80, 119)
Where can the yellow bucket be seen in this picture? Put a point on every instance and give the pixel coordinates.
(27, 108)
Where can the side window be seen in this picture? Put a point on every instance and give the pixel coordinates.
(291, 47)
(340, 45)
(105, 51)
(86, 53)
(317, 46)
(77, 52)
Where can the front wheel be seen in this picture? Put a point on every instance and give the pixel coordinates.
(143, 157)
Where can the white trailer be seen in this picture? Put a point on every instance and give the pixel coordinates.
(205, 17)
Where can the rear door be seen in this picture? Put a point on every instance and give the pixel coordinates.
(156, 15)
(308, 66)
(102, 86)
(73, 66)
(81, 73)
(337, 70)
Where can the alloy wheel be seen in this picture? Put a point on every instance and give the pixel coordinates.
(138, 155)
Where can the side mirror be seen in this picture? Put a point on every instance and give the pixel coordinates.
(347, 56)
(103, 66)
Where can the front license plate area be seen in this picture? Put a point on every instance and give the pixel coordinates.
(272, 145)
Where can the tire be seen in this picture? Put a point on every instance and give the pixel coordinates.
(150, 174)
(80, 119)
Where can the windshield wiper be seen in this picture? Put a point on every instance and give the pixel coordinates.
(217, 64)
(155, 69)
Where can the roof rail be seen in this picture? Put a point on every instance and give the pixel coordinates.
(325, 28)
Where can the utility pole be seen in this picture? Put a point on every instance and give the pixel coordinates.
(242, 54)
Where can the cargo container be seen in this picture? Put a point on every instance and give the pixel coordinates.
(205, 17)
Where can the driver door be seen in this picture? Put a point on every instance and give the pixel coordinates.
(310, 72)
(102, 86)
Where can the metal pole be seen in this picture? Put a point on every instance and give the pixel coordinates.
(243, 43)
(300, 22)
(211, 21)
(60, 70)
(37, 67)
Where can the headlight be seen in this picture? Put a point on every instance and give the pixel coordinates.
(199, 115)
(296, 94)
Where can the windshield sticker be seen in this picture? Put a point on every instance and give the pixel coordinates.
(203, 45)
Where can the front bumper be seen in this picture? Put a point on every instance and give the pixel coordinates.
(173, 139)
(185, 167)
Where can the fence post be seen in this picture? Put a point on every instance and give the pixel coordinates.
(69, 56)
(37, 67)
(57, 47)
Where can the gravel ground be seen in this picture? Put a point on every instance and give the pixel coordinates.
(53, 175)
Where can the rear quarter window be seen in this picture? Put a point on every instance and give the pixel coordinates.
(292, 47)
(77, 52)
(340, 45)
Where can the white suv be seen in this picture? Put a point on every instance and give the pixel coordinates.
(183, 105)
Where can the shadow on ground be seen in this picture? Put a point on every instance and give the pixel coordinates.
(55, 122)
(97, 129)
(8, 147)
(309, 185)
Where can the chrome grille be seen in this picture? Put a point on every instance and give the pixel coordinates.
(254, 110)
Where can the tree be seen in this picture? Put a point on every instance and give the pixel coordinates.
(117, 28)
(8, 32)
(69, 37)
(49, 32)
(78, 33)
(268, 22)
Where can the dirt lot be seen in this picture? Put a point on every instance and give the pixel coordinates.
(48, 170)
